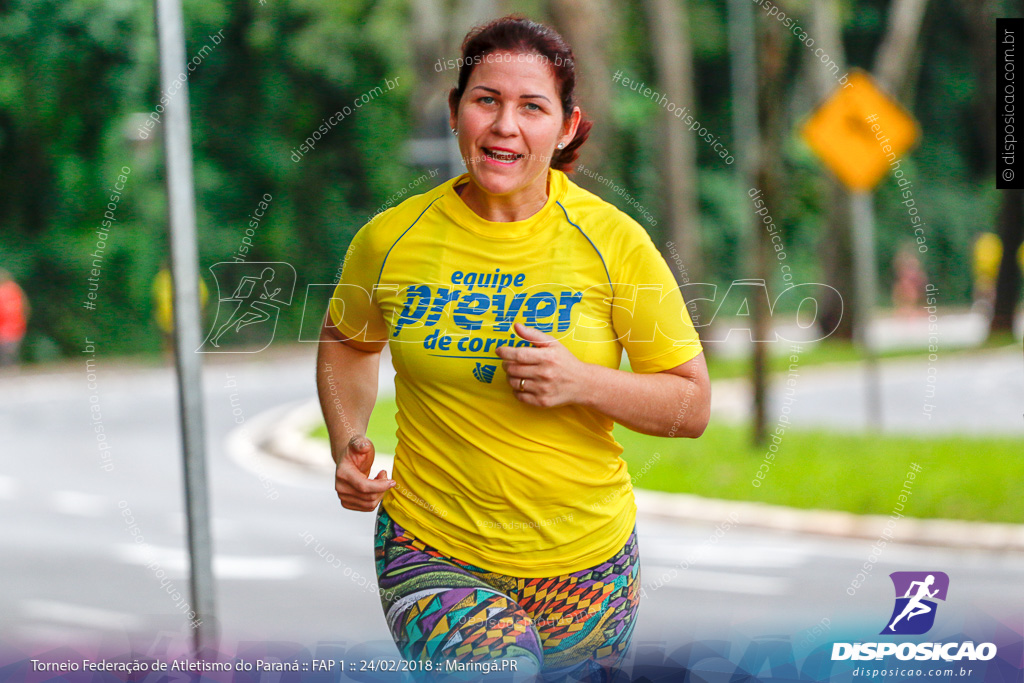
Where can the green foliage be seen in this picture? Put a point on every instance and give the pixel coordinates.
(80, 78)
(78, 71)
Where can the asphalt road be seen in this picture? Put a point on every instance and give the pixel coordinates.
(73, 573)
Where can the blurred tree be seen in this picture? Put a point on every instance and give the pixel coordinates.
(588, 26)
(432, 43)
(834, 243)
(1011, 233)
(773, 51)
(981, 17)
(669, 31)
(899, 49)
(1011, 215)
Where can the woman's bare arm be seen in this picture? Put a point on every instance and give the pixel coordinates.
(346, 381)
(675, 402)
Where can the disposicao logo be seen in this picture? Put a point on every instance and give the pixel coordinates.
(916, 593)
(914, 615)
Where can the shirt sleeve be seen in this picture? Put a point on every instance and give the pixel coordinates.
(648, 311)
(354, 309)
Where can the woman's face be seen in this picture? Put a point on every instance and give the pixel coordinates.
(509, 121)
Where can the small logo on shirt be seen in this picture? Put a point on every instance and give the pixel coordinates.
(484, 373)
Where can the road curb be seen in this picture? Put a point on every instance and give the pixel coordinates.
(946, 533)
(286, 437)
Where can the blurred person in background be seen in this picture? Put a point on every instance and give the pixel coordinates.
(988, 251)
(506, 297)
(908, 283)
(14, 313)
(163, 305)
(988, 254)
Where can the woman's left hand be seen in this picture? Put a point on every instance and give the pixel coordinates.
(545, 375)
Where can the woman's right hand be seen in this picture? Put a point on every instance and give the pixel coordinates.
(356, 490)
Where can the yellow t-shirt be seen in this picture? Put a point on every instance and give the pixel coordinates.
(510, 487)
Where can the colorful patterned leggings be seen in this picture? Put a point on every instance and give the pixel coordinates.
(440, 608)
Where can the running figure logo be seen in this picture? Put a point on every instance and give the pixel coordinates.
(916, 592)
(258, 290)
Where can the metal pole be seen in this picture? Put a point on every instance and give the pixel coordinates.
(185, 276)
(747, 142)
(862, 212)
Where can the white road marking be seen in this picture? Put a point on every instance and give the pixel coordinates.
(726, 582)
(238, 567)
(175, 560)
(8, 488)
(79, 504)
(671, 552)
(78, 615)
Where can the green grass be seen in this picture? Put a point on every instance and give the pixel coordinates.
(961, 477)
(381, 429)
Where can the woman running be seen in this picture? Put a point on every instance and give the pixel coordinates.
(506, 297)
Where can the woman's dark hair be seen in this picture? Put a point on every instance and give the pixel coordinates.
(517, 34)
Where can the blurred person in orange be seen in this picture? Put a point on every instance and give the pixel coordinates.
(14, 312)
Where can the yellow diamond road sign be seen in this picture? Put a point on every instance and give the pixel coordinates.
(860, 132)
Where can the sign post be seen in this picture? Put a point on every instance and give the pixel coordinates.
(858, 133)
(187, 339)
